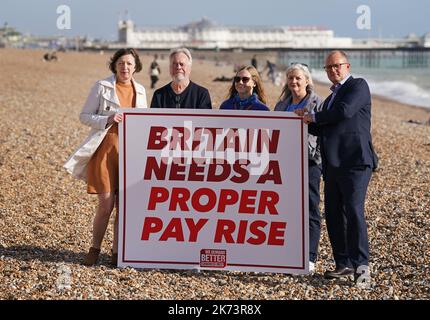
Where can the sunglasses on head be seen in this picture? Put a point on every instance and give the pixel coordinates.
(302, 64)
(244, 79)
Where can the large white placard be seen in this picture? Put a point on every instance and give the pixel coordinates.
(218, 190)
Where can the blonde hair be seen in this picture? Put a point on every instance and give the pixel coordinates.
(258, 89)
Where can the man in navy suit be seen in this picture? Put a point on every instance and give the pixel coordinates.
(343, 125)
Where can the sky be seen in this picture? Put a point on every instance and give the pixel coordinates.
(98, 19)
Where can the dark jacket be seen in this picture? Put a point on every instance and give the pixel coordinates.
(193, 97)
(344, 128)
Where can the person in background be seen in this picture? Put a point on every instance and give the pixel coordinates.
(343, 124)
(96, 160)
(246, 91)
(271, 71)
(181, 92)
(50, 56)
(254, 61)
(298, 93)
(154, 71)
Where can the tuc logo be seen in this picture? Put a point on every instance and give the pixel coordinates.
(213, 258)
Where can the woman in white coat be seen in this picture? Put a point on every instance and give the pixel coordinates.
(96, 160)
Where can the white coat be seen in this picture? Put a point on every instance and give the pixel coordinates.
(101, 103)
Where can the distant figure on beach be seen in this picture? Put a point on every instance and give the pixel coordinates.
(343, 124)
(271, 68)
(181, 92)
(223, 79)
(298, 93)
(154, 71)
(254, 61)
(246, 91)
(96, 160)
(50, 56)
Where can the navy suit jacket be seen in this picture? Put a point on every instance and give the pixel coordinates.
(344, 128)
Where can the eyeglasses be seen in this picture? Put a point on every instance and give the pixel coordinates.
(336, 66)
(244, 79)
(302, 64)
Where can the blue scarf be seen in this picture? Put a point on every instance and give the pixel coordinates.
(242, 104)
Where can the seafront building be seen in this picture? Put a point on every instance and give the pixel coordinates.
(308, 44)
(9, 35)
(205, 34)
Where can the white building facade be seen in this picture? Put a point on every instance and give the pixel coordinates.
(205, 35)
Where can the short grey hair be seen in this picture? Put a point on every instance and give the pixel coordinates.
(286, 93)
(303, 68)
(181, 50)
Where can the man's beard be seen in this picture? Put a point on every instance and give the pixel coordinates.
(178, 77)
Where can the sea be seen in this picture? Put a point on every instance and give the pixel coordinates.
(406, 85)
(400, 74)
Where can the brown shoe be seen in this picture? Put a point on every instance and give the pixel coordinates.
(339, 272)
(91, 257)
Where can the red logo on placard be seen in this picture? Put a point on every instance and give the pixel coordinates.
(213, 258)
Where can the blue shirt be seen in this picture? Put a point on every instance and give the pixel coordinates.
(291, 107)
(335, 88)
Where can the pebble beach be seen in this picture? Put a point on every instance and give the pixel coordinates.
(46, 215)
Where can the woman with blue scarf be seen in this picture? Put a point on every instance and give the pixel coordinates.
(246, 92)
(298, 93)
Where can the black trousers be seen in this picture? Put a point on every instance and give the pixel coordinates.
(344, 198)
(154, 80)
(314, 172)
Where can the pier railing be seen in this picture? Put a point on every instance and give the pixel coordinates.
(363, 58)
